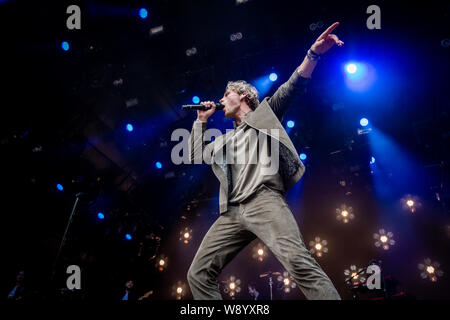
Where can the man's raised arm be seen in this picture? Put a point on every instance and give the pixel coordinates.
(296, 85)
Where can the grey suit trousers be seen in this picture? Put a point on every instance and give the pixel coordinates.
(265, 215)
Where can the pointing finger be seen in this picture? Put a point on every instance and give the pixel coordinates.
(328, 31)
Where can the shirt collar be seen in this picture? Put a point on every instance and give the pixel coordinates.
(235, 125)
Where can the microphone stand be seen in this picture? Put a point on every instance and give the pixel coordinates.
(269, 273)
(63, 240)
(270, 285)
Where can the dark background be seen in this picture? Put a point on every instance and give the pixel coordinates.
(63, 121)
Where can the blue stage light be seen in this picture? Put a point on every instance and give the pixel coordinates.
(351, 68)
(143, 13)
(290, 124)
(65, 45)
(59, 187)
(130, 127)
(303, 156)
(195, 99)
(158, 165)
(128, 236)
(372, 160)
(363, 122)
(273, 77)
(359, 76)
(101, 216)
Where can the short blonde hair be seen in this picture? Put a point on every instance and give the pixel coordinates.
(242, 86)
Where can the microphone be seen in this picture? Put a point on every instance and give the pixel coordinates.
(200, 107)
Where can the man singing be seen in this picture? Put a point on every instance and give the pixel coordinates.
(252, 199)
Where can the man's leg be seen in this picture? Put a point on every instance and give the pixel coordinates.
(268, 216)
(221, 244)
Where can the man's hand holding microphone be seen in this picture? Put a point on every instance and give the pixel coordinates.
(203, 115)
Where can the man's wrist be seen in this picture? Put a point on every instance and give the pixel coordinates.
(314, 52)
(313, 56)
(202, 119)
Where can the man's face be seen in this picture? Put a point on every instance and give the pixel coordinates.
(129, 284)
(232, 102)
(20, 276)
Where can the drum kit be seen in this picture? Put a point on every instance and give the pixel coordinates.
(388, 289)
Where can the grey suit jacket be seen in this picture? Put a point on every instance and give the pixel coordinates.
(268, 116)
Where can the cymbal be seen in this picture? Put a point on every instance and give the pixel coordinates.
(269, 273)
